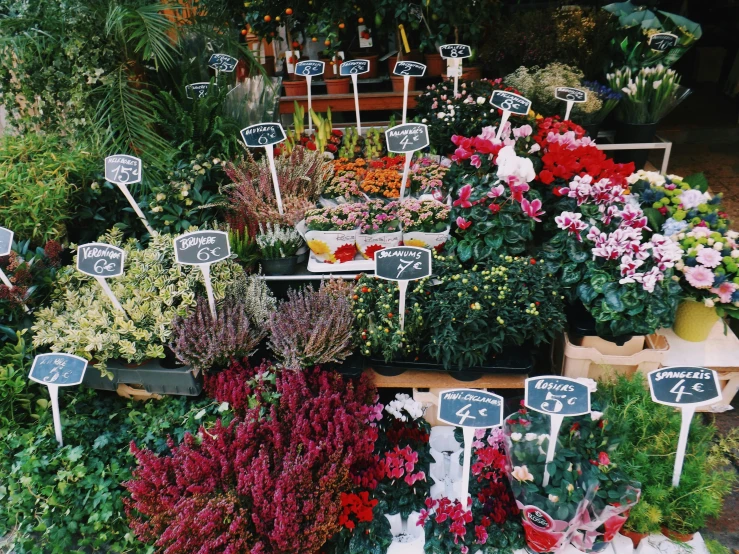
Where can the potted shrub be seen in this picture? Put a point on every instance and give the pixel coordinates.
(332, 232)
(425, 223)
(379, 228)
(278, 246)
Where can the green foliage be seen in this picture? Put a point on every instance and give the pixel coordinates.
(244, 246)
(17, 393)
(367, 537)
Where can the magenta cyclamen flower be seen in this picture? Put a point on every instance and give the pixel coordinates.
(464, 197)
(571, 222)
(462, 223)
(532, 209)
(699, 277)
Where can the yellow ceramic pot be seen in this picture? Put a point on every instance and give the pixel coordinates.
(694, 321)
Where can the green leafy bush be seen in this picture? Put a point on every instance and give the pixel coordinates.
(16, 391)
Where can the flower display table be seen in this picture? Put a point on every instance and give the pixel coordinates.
(368, 102)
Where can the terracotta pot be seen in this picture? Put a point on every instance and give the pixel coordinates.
(372, 59)
(391, 61)
(471, 73)
(635, 537)
(434, 64)
(296, 88)
(413, 56)
(694, 321)
(269, 65)
(338, 86)
(397, 81)
(679, 537)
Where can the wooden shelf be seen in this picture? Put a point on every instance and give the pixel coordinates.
(438, 379)
(368, 101)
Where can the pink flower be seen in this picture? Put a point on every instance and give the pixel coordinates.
(570, 221)
(462, 223)
(709, 257)
(699, 277)
(532, 209)
(603, 459)
(495, 192)
(476, 161)
(517, 188)
(724, 291)
(464, 197)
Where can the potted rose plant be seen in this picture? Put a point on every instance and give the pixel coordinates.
(332, 232)
(278, 246)
(379, 228)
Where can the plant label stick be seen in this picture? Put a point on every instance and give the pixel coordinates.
(686, 388)
(57, 370)
(203, 248)
(408, 70)
(122, 170)
(402, 264)
(198, 90)
(102, 261)
(406, 139)
(354, 68)
(455, 52)
(557, 397)
(310, 69)
(662, 42)
(510, 103)
(6, 245)
(266, 135)
(469, 409)
(571, 96)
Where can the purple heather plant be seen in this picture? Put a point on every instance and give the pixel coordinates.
(311, 328)
(202, 343)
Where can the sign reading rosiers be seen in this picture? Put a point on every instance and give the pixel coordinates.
(661, 42)
(63, 370)
(6, 241)
(455, 51)
(510, 102)
(122, 169)
(412, 69)
(407, 138)
(310, 68)
(197, 90)
(100, 260)
(354, 67)
(201, 247)
(570, 94)
(223, 62)
(557, 395)
(262, 134)
(470, 408)
(684, 386)
(403, 263)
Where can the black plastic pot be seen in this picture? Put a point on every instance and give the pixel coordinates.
(582, 324)
(465, 376)
(592, 129)
(280, 266)
(151, 375)
(351, 367)
(629, 133)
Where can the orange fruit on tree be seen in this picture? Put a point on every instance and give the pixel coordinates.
(341, 25)
(296, 44)
(314, 39)
(289, 11)
(268, 18)
(277, 18)
(360, 20)
(243, 32)
(327, 42)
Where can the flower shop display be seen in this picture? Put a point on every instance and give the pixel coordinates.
(332, 232)
(343, 186)
(425, 223)
(278, 246)
(379, 228)
(591, 119)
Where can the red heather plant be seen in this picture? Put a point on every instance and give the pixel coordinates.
(311, 328)
(244, 387)
(262, 485)
(202, 342)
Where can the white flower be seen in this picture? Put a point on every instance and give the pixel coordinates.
(530, 436)
(595, 416)
(692, 198)
(511, 165)
(735, 254)
(718, 246)
(570, 487)
(515, 437)
(656, 84)
(733, 235)
(590, 383)
(570, 467)
(480, 100)
(542, 438)
(161, 196)
(424, 120)
(553, 498)
(708, 303)
(440, 115)
(521, 473)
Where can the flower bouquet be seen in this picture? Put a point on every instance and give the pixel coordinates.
(607, 100)
(425, 223)
(379, 227)
(332, 232)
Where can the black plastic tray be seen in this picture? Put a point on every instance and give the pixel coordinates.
(152, 376)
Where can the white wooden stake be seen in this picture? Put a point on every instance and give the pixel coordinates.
(54, 394)
(205, 268)
(556, 424)
(106, 289)
(135, 206)
(570, 103)
(5, 280)
(403, 286)
(356, 102)
(271, 157)
(406, 81)
(682, 443)
(503, 121)
(308, 79)
(406, 170)
(469, 436)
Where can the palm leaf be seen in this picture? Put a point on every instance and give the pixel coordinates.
(150, 30)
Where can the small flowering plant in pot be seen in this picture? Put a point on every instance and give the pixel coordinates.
(427, 177)
(343, 187)
(425, 223)
(278, 246)
(332, 232)
(384, 178)
(379, 228)
(364, 528)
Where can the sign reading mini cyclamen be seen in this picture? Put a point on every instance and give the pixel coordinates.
(123, 170)
(571, 96)
(353, 68)
(470, 409)
(101, 261)
(203, 248)
(402, 264)
(510, 103)
(686, 388)
(266, 135)
(406, 139)
(6, 245)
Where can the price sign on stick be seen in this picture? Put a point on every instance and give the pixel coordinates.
(54, 371)
(408, 70)
(686, 388)
(557, 397)
(354, 68)
(571, 96)
(662, 42)
(123, 170)
(266, 135)
(203, 248)
(310, 69)
(197, 90)
(101, 261)
(406, 139)
(402, 264)
(454, 54)
(222, 62)
(6, 245)
(510, 103)
(470, 409)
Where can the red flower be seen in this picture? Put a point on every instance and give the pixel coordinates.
(310, 145)
(540, 540)
(546, 177)
(464, 197)
(575, 427)
(462, 223)
(345, 252)
(603, 459)
(495, 208)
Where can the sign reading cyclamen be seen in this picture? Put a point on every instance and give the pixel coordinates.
(510, 103)
(202, 248)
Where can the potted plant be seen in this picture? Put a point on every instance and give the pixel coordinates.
(364, 527)
(332, 232)
(379, 228)
(425, 222)
(426, 177)
(344, 185)
(383, 178)
(278, 246)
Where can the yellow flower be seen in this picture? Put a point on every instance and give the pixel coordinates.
(321, 250)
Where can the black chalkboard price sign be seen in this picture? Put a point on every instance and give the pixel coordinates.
(661, 42)
(570, 94)
(100, 260)
(455, 51)
(684, 386)
(557, 395)
(412, 69)
(122, 169)
(201, 247)
(408, 137)
(403, 263)
(310, 68)
(197, 90)
(262, 134)
(223, 62)
(510, 102)
(477, 409)
(62, 370)
(354, 67)
(6, 241)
